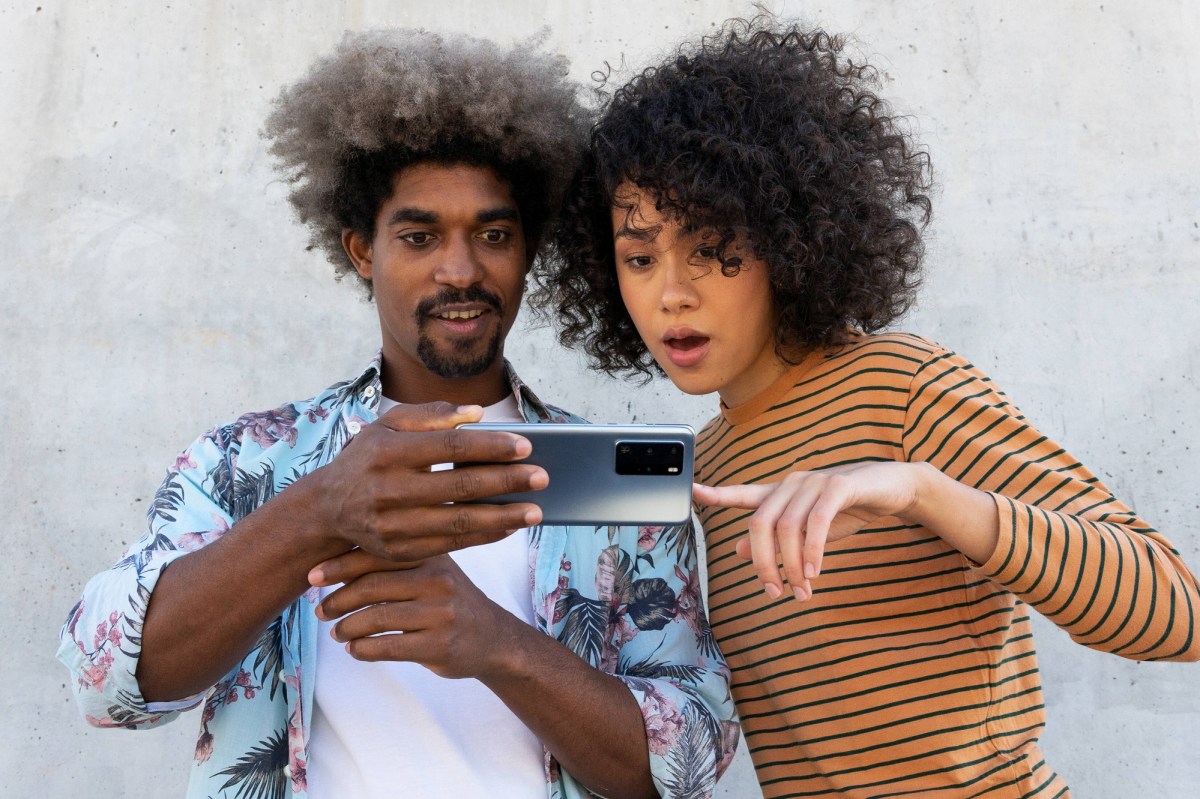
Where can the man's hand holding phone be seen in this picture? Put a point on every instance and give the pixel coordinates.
(381, 496)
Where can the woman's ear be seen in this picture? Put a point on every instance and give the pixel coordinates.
(359, 250)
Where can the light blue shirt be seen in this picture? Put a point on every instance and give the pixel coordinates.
(625, 599)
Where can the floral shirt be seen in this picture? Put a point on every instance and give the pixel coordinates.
(625, 599)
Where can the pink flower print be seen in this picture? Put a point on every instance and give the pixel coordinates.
(296, 763)
(267, 427)
(313, 414)
(184, 461)
(112, 617)
(687, 602)
(94, 677)
(204, 747)
(648, 538)
(101, 634)
(114, 635)
(729, 742)
(664, 722)
(606, 573)
(190, 542)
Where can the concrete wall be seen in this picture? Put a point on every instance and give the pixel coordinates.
(152, 282)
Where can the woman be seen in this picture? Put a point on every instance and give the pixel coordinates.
(749, 216)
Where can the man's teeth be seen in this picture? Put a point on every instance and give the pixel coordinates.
(460, 314)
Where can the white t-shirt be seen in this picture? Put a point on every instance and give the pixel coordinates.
(398, 730)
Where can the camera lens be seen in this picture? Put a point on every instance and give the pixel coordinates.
(624, 449)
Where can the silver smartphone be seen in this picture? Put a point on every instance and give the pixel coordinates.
(608, 474)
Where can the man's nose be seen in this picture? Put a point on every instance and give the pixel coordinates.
(459, 265)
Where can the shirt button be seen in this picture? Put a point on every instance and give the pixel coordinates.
(369, 392)
(354, 427)
(282, 676)
(287, 771)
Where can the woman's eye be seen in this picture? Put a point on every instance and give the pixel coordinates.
(708, 253)
(638, 261)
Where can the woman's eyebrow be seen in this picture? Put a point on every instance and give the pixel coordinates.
(646, 234)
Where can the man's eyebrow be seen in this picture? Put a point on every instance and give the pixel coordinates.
(412, 215)
(502, 214)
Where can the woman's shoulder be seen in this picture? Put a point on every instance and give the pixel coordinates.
(892, 344)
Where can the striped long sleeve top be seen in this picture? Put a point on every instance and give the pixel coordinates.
(912, 670)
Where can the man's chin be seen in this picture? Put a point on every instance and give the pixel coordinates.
(458, 362)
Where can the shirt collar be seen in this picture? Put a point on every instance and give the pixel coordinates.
(368, 387)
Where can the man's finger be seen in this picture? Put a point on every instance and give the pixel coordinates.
(351, 566)
(451, 445)
(416, 533)
(740, 496)
(461, 484)
(426, 416)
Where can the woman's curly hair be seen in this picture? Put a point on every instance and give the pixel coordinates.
(765, 134)
(387, 99)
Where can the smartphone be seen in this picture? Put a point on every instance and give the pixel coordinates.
(607, 474)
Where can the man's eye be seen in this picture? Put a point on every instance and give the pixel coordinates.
(495, 236)
(417, 237)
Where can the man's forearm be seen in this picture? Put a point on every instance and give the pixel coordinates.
(588, 719)
(210, 607)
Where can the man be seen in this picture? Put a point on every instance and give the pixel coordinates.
(295, 577)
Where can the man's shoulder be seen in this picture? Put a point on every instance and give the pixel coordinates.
(298, 425)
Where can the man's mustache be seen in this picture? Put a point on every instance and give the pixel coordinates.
(457, 296)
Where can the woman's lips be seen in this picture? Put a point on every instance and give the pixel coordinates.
(686, 350)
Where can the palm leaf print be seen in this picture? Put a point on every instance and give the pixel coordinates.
(584, 623)
(259, 773)
(250, 491)
(269, 660)
(691, 763)
(651, 669)
(167, 499)
(680, 540)
(329, 445)
(221, 477)
(651, 603)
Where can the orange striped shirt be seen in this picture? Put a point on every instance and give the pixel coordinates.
(912, 670)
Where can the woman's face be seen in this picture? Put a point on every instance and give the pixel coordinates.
(707, 331)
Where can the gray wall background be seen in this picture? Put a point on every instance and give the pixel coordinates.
(153, 282)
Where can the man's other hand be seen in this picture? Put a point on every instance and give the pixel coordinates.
(425, 612)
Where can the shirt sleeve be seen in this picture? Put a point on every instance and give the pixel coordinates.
(1067, 546)
(661, 646)
(101, 642)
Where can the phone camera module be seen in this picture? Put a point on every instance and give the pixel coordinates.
(649, 457)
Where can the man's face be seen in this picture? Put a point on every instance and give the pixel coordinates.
(447, 264)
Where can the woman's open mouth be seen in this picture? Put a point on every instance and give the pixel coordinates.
(686, 350)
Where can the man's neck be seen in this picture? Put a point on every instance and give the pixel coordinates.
(415, 386)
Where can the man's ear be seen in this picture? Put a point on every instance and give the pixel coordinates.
(359, 250)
